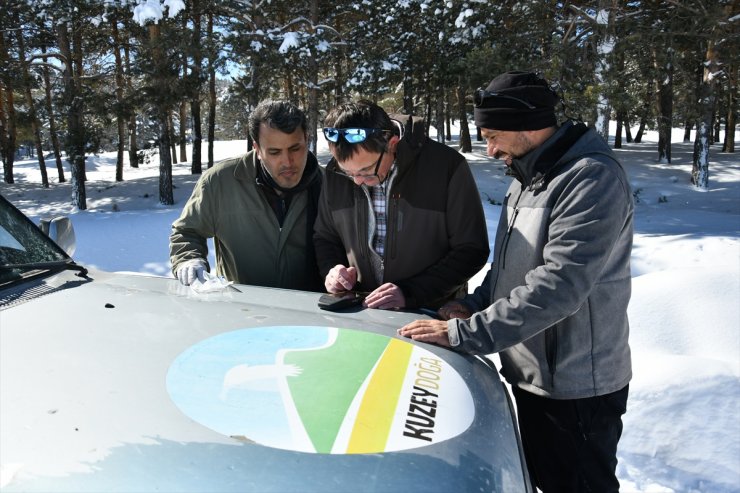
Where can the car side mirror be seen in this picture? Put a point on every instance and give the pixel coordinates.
(61, 231)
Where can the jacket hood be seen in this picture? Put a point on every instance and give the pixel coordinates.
(413, 135)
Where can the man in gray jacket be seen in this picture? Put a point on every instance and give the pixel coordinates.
(259, 209)
(554, 303)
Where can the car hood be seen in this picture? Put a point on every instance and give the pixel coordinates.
(102, 385)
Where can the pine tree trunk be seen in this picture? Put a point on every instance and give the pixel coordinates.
(603, 49)
(120, 116)
(408, 90)
(133, 146)
(211, 90)
(312, 116)
(31, 105)
(427, 111)
(687, 131)
(440, 115)
(173, 140)
(211, 114)
(52, 119)
(700, 167)
(183, 106)
(664, 69)
(717, 126)
(78, 70)
(339, 75)
(646, 103)
(183, 115)
(7, 131)
(730, 119)
(290, 91)
(75, 141)
(165, 161)
(448, 114)
(465, 144)
(641, 130)
(196, 166)
(162, 115)
(254, 85)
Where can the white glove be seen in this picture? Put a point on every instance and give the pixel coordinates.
(191, 271)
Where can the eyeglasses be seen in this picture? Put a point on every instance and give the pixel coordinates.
(481, 96)
(351, 135)
(362, 175)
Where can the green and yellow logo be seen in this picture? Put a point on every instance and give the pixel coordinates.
(321, 390)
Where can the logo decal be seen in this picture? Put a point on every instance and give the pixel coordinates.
(321, 390)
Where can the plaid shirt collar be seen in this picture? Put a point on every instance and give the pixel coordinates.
(379, 202)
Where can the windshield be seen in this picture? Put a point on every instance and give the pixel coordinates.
(22, 245)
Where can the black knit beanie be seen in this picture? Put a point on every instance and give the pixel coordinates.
(516, 101)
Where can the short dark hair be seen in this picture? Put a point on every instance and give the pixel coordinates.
(281, 115)
(362, 114)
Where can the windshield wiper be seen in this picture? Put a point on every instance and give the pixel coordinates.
(54, 265)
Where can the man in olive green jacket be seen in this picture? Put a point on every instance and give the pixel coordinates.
(258, 208)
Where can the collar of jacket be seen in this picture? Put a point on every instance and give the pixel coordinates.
(413, 137)
(534, 168)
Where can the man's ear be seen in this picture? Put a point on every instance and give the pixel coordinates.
(257, 149)
(332, 150)
(393, 142)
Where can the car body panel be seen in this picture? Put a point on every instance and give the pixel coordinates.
(85, 403)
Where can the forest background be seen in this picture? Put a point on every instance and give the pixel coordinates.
(148, 77)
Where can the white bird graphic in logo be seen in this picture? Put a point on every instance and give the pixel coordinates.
(257, 377)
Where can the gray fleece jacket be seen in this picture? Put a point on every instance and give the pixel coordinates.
(554, 303)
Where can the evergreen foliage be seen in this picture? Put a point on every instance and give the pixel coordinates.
(96, 72)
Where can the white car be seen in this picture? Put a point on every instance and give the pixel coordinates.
(112, 382)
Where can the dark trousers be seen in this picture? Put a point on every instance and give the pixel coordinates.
(571, 445)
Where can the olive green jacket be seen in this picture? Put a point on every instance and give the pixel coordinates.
(251, 247)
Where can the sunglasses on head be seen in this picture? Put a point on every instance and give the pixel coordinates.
(482, 97)
(351, 135)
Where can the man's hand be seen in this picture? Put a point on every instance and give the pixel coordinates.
(386, 297)
(434, 331)
(454, 309)
(340, 278)
(191, 270)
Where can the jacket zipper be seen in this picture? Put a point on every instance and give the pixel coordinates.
(499, 260)
(505, 243)
(361, 195)
(393, 223)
